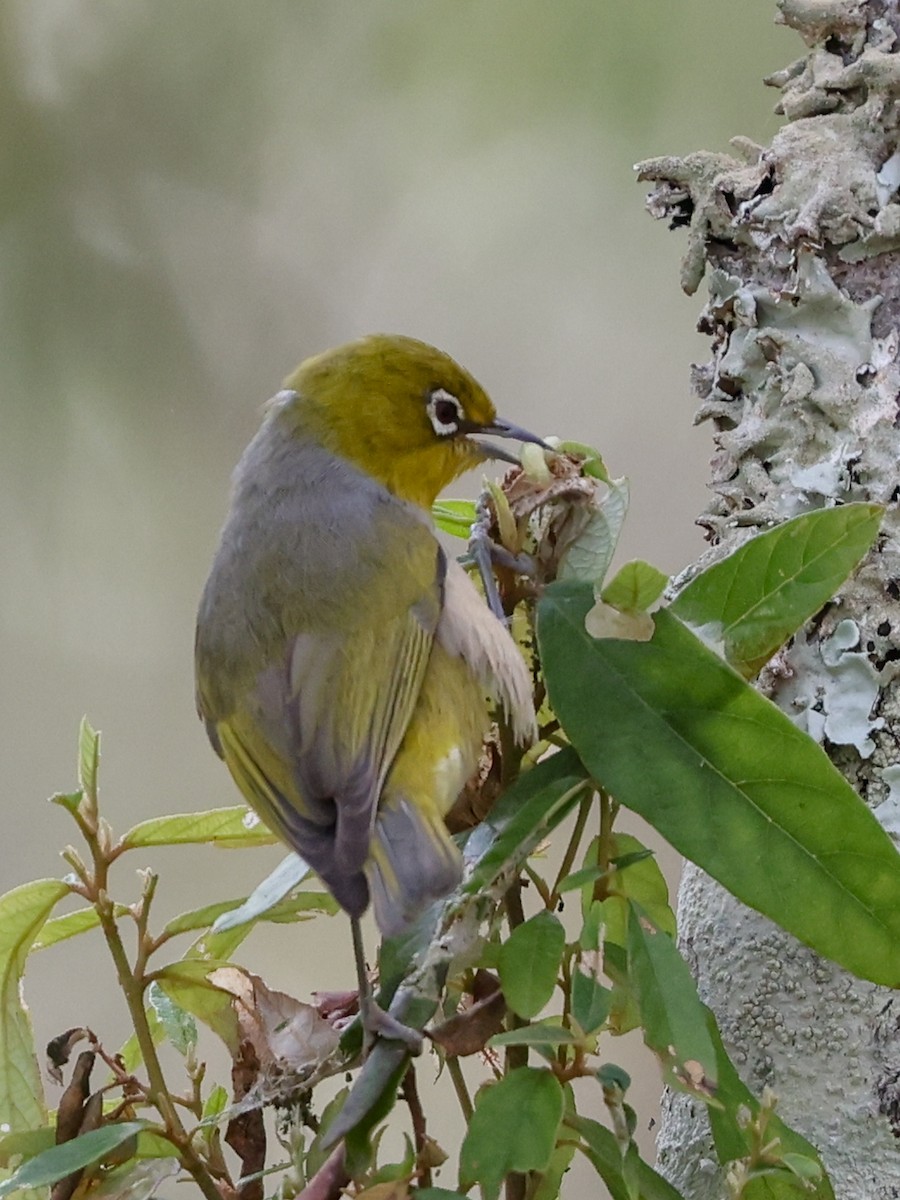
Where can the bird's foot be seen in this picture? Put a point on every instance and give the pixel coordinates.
(377, 1023)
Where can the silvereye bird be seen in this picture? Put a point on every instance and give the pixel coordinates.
(343, 660)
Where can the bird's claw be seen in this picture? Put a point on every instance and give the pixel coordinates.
(378, 1023)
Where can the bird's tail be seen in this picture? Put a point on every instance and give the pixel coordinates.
(413, 862)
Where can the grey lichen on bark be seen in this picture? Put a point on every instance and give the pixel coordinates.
(800, 242)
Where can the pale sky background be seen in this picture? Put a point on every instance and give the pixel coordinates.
(197, 196)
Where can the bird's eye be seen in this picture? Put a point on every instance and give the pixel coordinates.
(445, 412)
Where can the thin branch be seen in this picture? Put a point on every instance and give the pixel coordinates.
(410, 1093)
(454, 1070)
(584, 809)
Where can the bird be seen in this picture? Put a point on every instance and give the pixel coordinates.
(346, 665)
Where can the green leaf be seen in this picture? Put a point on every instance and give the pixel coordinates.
(749, 604)
(214, 1105)
(229, 828)
(455, 517)
(676, 735)
(59, 1161)
(529, 963)
(673, 1019)
(26, 1143)
(580, 879)
(552, 1176)
(513, 1128)
(635, 587)
(593, 464)
(589, 556)
(186, 983)
(58, 929)
(23, 912)
(541, 1034)
(591, 1001)
(373, 1096)
(605, 1154)
(614, 1076)
(728, 1122)
(293, 908)
(638, 877)
(806, 1169)
(291, 871)
(70, 801)
(88, 761)
(180, 1026)
(536, 803)
(611, 916)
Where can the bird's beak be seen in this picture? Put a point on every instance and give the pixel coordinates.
(505, 429)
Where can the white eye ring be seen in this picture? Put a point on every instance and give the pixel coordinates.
(439, 407)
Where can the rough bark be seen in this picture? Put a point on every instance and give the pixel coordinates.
(801, 244)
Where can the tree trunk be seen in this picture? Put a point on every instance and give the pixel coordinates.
(802, 245)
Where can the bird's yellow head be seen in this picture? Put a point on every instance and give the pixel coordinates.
(399, 410)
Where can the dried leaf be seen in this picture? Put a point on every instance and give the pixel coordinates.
(285, 1033)
(469, 1030)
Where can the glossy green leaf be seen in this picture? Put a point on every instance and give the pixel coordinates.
(455, 517)
(638, 877)
(605, 1154)
(580, 879)
(437, 1193)
(513, 1128)
(672, 1017)
(635, 586)
(536, 803)
(672, 732)
(748, 605)
(23, 912)
(542, 1034)
(529, 963)
(728, 1122)
(65, 1159)
(550, 1184)
(591, 1001)
(372, 1097)
(610, 916)
(229, 828)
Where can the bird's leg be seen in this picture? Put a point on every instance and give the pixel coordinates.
(375, 1021)
(485, 552)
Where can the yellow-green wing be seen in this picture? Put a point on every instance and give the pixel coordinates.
(311, 742)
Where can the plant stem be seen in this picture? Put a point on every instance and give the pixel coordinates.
(539, 885)
(158, 1093)
(410, 1094)
(454, 1070)
(572, 848)
(604, 845)
(133, 982)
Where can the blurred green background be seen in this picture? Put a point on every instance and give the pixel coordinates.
(197, 195)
